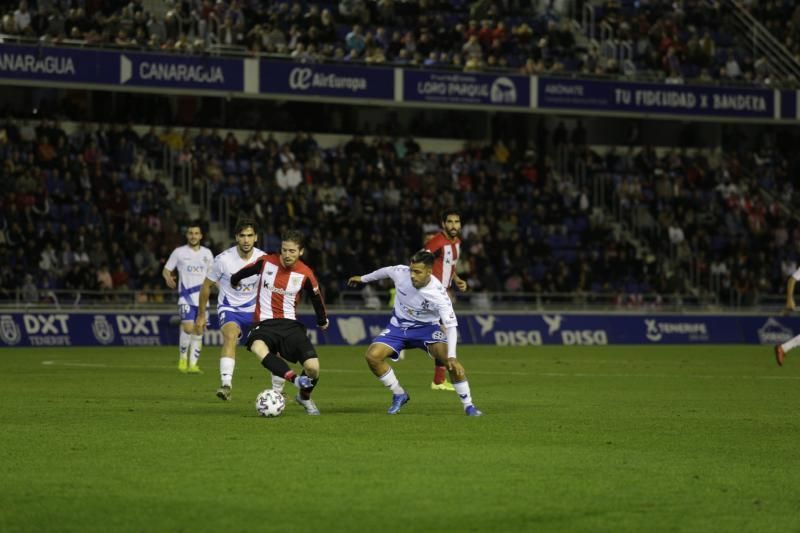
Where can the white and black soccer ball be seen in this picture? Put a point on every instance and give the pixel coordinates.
(270, 403)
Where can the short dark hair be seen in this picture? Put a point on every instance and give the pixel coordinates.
(242, 223)
(195, 224)
(293, 235)
(423, 256)
(449, 211)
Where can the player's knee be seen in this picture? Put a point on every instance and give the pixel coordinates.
(259, 348)
(229, 337)
(373, 356)
(311, 367)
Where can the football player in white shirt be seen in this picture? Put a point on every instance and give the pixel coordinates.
(781, 349)
(235, 306)
(420, 304)
(192, 262)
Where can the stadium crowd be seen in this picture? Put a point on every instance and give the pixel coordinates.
(88, 210)
(674, 41)
(716, 219)
(82, 211)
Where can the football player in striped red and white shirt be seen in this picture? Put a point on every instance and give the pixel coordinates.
(446, 248)
(277, 336)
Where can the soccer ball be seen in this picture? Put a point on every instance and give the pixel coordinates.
(270, 403)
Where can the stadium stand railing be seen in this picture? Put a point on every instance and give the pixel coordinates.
(783, 66)
(46, 299)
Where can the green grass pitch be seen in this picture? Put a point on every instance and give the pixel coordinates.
(573, 439)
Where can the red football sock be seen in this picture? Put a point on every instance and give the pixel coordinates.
(439, 375)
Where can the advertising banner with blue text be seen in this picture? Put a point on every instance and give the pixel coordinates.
(335, 81)
(653, 98)
(182, 72)
(501, 329)
(379, 85)
(466, 88)
(59, 64)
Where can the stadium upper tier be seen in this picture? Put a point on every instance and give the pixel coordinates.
(670, 41)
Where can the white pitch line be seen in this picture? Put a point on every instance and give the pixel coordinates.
(681, 376)
(98, 365)
(67, 363)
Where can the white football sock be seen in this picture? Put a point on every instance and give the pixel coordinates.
(391, 382)
(183, 344)
(277, 383)
(226, 365)
(462, 389)
(794, 342)
(195, 346)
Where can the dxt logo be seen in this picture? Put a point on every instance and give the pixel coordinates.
(46, 324)
(137, 325)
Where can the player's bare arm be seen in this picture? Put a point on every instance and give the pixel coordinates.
(205, 294)
(354, 281)
(461, 285)
(790, 305)
(170, 278)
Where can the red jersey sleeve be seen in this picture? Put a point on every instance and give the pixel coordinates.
(436, 243)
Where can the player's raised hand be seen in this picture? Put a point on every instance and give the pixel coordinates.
(354, 281)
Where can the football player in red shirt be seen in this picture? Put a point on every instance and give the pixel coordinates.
(446, 248)
(277, 336)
